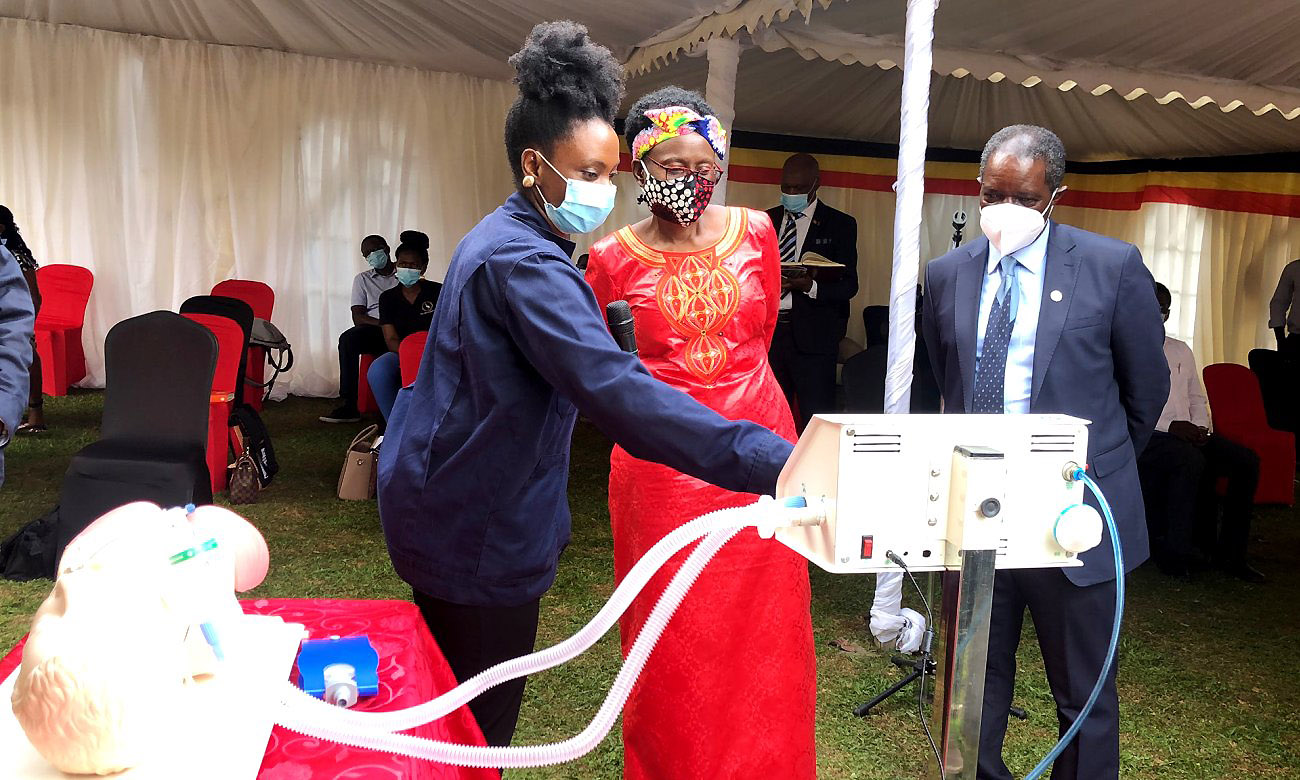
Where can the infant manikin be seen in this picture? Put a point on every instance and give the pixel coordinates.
(136, 614)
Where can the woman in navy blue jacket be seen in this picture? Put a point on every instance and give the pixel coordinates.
(474, 471)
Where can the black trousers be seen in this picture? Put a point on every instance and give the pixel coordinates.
(1180, 485)
(356, 341)
(476, 638)
(808, 380)
(1073, 626)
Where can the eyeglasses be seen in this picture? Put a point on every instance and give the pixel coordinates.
(710, 173)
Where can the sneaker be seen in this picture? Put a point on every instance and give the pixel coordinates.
(343, 414)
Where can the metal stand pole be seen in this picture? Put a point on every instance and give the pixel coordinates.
(968, 599)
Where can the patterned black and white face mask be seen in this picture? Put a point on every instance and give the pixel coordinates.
(678, 200)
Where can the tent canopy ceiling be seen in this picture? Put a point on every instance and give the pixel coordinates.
(1115, 78)
(829, 100)
(460, 36)
(1244, 48)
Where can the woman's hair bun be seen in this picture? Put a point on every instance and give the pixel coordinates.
(559, 62)
(414, 238)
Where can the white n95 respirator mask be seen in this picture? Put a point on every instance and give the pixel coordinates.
(1011, 227)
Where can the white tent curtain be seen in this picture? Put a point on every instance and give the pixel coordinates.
(167, 166)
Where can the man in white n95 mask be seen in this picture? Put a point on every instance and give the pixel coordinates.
(1040, 317)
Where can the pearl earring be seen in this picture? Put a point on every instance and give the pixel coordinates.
(529, 181)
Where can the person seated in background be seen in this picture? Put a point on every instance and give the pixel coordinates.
(365, 336)
(403, 310)
(12, 240)
(1180, 470)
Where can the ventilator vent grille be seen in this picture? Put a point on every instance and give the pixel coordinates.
(1051, 442)
(877, 443)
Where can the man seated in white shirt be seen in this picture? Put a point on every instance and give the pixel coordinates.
(1180, 470)
(365, 336)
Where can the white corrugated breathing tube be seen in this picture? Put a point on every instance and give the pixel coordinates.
(310, 716)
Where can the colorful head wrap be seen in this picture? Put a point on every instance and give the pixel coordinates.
(674, 121)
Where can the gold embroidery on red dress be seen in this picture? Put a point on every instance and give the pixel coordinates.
(697, 295)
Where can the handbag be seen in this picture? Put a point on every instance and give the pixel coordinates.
(244, 484)
(357, 479)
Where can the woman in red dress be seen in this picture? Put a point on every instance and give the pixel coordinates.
(730, 690)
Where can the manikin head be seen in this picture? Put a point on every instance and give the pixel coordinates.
(113, 646)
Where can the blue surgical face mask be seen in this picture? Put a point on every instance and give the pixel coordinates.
(378, 258)
(585, 206)
(795, 203)
(408, 276)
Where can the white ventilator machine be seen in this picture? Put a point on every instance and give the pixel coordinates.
(958, 493)
(860, 494)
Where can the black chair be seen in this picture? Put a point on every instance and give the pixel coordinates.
(863, 375)
(155, 428)
(1279, 381)
(925, 388)
(232, 309)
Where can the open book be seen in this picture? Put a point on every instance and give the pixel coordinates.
(812, 260)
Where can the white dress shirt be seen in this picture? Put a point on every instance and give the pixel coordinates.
(1186, 397)
(368, 286)
(1030, 265)
(1284, 308)
(800, 232)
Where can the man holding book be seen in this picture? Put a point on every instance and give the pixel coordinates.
(819, 261)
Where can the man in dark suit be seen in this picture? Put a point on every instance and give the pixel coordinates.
(814, 306)
(16, 327)
(1042, 317)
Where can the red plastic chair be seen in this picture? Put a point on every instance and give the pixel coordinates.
(65, 291)
(230, 339)
(366, 403)
(261, 297)
(1238, 409)
(409, 353)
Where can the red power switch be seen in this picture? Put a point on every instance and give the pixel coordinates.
(868, 544)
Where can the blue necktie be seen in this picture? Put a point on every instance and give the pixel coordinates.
(990, 375)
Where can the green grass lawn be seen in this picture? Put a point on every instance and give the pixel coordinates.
(1209, 670)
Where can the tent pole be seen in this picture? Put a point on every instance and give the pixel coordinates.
(720, 92)
(910, 189)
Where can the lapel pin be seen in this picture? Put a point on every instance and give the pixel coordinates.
(1056, 296)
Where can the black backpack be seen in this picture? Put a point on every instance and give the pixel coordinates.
(257, 443)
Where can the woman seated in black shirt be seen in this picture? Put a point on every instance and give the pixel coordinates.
(403, 310)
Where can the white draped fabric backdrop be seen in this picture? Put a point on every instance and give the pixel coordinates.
(166, 166)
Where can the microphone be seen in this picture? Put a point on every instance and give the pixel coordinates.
(621, 325)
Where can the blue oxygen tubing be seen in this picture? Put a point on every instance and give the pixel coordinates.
(1070, 733)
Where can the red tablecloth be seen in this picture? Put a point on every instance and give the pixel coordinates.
(411, 670)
